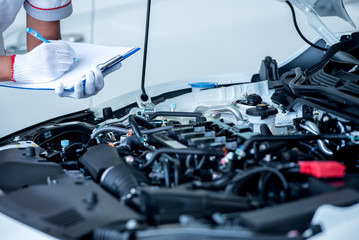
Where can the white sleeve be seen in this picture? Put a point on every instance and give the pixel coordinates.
(48, 10)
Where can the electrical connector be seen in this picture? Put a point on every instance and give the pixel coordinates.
(322, 169)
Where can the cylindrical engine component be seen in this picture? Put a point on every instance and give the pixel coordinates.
(99, 158)
(107, 167)
(118, 180)
(261, 114)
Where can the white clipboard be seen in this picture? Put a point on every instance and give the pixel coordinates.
(87, 55)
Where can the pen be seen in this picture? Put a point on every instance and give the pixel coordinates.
(36, 34)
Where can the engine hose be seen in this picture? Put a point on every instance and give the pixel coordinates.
(311, 149)
(342, 131)
(289, 138)
(125, 130)
(166, 171)
(313, 128)
(232, 187)
(136, 129)
(265, 131)
(217, 184)
(183, 151)
(119, 180)
(90, 160)
(174, 114)
(271, 148)
(176, 174)
(135, 123)
(106, 166)
(196, 164)
(142, 122)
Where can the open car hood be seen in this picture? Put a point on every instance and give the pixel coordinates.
(237, 156)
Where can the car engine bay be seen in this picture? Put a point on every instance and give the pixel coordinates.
(255, 164)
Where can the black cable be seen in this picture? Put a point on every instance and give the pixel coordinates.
(216, 184)
(264, 188)
(311, 149)
(298, 30)
(166, 168)
(144, 96)
(271, 148)
(125, 130)
(288, 138)
(265, 131)
(136, 122)
(174, 114)
(135, 127)
(182, 151)
(142, 122)
(233, 185)
(176, 173)
(256, 150)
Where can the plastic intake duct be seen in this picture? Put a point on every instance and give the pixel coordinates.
(107, 167)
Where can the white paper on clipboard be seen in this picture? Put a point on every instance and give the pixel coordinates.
(87, 55)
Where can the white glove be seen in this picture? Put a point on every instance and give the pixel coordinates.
(93, 84)
(45, 63)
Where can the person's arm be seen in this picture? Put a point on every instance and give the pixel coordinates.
(36, 66)
(5, 68)
(49, 30)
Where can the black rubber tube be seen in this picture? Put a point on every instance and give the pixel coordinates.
(136, 122)
(174, 114)
(166, 168)
(265, 131)
(181, 151)
(311, 149)
(119, 180)
(244, 176)
(176, 174)
(259, 138)
(135, 128)
(142, 122)
(271, 148)
(125, 130)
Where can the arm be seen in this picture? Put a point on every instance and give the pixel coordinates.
(49, 30)
(5, 68)
(26, 67)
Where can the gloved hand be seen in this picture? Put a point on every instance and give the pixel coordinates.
(93, 84)
(45, 63)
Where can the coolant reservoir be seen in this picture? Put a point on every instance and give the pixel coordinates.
(261, 114)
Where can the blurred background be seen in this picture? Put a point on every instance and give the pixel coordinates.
(189, 39)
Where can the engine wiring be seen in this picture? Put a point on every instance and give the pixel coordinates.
(204, 168)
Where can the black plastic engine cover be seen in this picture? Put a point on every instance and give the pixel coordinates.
(17, 170)
(67, 211)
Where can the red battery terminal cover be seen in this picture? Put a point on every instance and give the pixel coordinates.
(322, 169)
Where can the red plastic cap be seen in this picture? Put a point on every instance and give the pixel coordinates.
(322, 169)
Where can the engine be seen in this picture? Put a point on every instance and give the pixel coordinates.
(254, 158)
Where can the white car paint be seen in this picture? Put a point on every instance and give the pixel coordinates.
(188, 39)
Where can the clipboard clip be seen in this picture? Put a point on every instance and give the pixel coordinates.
(103, 67)
(110, 63)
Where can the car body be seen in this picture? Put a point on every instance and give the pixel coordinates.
(196, 160)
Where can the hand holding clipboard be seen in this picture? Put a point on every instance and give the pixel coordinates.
(87, 55)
